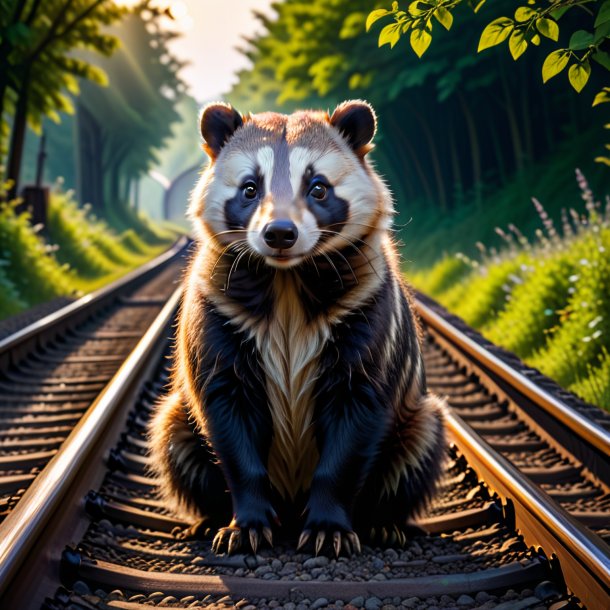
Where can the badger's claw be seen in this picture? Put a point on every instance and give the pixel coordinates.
(254, 539)
(303, 538)
(344, 542)
(232, 539)
(200, 530)
(393, 534)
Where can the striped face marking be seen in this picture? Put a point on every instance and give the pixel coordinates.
(293, 172)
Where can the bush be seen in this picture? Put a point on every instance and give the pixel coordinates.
(31, 265)
(76, 252)
(547, 300)
(10, 302)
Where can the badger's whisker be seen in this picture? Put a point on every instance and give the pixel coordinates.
(239, 256)
(224, 251)
(353, 245)
(333, 266)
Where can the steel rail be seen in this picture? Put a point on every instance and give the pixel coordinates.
(584, 558)
(588, 430)
(55, 321)
(21, 529)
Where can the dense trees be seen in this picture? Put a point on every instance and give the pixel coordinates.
(121, 127)
(37, 66)
(105, 65)
(455, 124)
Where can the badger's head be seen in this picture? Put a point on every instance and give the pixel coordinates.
(292, 187)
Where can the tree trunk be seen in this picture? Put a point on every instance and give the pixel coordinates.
(13, 172)
(434, 157)
(526, 115)
(402, 144)
(512, 121)
(455, 166)
(475, 151)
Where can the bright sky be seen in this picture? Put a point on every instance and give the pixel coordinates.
(212, 29)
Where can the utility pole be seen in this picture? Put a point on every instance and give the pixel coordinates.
(36, 197)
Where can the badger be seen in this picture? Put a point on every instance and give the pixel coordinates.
(298, 397)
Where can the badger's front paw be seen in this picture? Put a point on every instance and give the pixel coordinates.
(342, 540)
(234, 538)
(332, 527)
(245, 533)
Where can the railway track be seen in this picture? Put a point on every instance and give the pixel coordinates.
(53, 369)
(90, 533)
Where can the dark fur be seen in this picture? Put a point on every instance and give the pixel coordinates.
(372, 415)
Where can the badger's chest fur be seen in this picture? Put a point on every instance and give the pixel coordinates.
(299, 374)
(290, 348)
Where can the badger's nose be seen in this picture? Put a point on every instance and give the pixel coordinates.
(280, 234)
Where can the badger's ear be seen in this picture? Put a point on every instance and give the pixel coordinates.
(356, 121)
(218, 123)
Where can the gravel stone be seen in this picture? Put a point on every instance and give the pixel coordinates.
(262, 570)
(465, 600)
(81, 588)
(358, 602)
(319, 603)
(373, 603)
(316, 562)
(514, 604)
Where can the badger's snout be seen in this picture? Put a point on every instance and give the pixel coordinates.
(280, 234)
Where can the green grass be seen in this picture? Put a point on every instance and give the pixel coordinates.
(74, 254)
(546, 299)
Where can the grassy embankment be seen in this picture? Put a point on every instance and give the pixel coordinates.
(547, 299)
(76, 253)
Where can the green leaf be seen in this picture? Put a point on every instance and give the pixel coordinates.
(579, 75)
(375, 16)
(420, 40)
(604, 14)
(548, 28)
(444, 17)
(558, 13)
(524, 13)
(17, 33)
(601, 32)
(517, 44)
(603, 97)
(580, 40)
(535, 39)
(554, 64)
(602, 58)
(415, 10)
(476, 6)
(495, 33)
(389, 35)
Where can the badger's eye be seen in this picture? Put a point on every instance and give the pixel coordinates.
(318, 191)
(250, 190)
